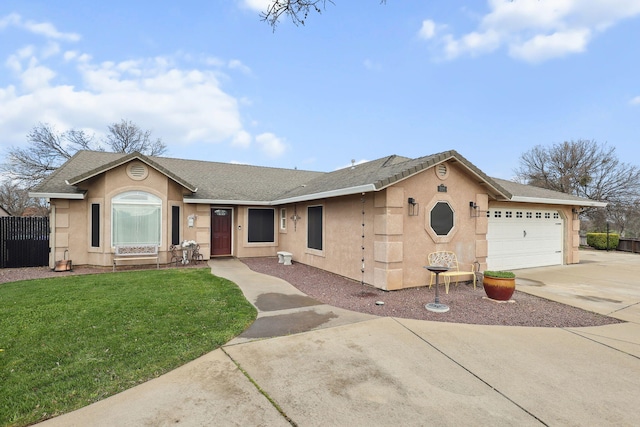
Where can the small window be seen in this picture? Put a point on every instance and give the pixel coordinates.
(538, 215)
(314, 227)
(95, 225)
(518, 214)
(175, 225)
(261, 222)
(508, 214)
(442, 218)
(497, 214)
(547, 215)
(283, 219)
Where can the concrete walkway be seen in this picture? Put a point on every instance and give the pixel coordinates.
(327, 366)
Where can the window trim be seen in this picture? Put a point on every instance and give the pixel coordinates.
(176, 215)
(272, 230)
(310, 223)
(152, 200)
(453, 217)
(96, 225)
(283, 219)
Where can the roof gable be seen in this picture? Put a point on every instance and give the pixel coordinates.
(124, 159)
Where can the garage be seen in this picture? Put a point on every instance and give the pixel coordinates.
(524, 238)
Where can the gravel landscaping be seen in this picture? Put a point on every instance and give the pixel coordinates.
(466, 304)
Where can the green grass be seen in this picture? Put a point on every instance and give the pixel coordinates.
(70, 341)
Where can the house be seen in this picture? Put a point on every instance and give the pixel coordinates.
(374, 222)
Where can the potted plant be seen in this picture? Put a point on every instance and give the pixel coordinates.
(499, 285)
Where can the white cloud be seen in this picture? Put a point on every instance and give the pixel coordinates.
(428, 29)
(635, 101)
(257, 5)
(270, 144)
(241, 139)
(45, 29)
(543, 47)
(236, 64)
(177, 97)
(534, 30)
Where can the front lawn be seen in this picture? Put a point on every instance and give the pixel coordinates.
(69, 341)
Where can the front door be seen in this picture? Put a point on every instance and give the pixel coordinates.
(220, 232)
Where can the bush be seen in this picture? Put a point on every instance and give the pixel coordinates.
(599, 240)
(500, 274)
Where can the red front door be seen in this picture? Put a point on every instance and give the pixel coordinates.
(220, 232)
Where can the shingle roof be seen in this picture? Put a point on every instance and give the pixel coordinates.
(212, 182)
(529, 193)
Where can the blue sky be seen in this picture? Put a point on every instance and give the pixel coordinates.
(490, 79)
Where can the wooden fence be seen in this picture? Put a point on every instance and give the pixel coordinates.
(629, 245)
(24, 242)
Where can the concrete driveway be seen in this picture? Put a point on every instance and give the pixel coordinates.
(352, 370)
(604, 282)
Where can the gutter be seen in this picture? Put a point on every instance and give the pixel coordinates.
(72, 196)
(327, 194)
(307, 197)
(583, 202)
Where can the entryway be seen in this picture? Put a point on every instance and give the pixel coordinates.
(221, 223)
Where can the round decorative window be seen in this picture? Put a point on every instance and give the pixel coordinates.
(137, 171)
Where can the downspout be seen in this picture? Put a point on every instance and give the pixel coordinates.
(52, 235)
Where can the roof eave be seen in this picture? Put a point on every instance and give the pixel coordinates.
(327, 194)
(564, 202)
(195, 200)
(71, 196)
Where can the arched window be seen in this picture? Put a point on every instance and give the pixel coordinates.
(136, 218)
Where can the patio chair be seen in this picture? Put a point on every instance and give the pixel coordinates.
(176, 255)
(450, 260)
(197, 256)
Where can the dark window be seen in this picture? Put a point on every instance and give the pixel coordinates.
(95, 225)
(261, 229)
(314, 227)
(175, 225)
(442, 218)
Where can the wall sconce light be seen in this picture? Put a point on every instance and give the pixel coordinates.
(414, 207)
(474, 212)
(191, 219)
(576, 213)
(442, 188)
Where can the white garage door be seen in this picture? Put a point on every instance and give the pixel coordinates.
(524, 238)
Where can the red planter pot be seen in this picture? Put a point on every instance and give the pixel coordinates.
(497, 288)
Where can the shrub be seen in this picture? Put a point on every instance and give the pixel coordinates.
(599, 240)
(500, 274)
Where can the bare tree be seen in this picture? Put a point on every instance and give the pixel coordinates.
(46, 149)
(297, 10)
(127, 137)
(583, 168)
(17, 202)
